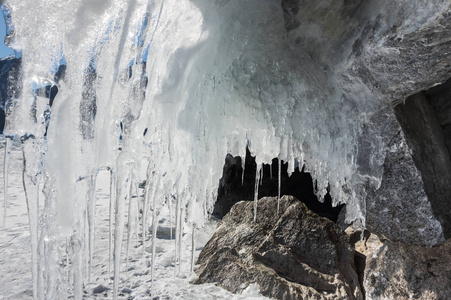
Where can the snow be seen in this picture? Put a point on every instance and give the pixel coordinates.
(135, 281)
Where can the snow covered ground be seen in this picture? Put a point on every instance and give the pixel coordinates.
(136, 281)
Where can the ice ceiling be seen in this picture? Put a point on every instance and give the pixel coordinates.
(179, 84)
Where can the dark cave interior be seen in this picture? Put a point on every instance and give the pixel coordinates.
(234, 188)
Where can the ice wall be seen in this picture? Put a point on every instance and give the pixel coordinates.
(177, 86)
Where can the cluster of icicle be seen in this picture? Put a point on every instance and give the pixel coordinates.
(159, 92)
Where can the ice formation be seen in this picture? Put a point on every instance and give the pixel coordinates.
(158, 92)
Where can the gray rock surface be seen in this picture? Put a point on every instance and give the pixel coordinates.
(296, 255)
(99, 289)
(400, 209)
(424, 136)
(397, 271)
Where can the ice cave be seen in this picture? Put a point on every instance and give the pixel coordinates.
(226, 149)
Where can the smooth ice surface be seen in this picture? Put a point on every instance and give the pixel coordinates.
(172, 87)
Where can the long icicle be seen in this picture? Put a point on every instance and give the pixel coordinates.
(261, 175)
(243, 166)
(177, 230)
(33, 219)
(111, 218)
(121, 195)
(131, 223)
(182, 213)
(145, 212)
(154, 240)
(41, 254)
(5, 178)
(257, 180)
(77, 266)
(170, 215)
(86, 239)
(91, 220)
(270, 170)
(136, 213)
(67, 260)
(279, 180)
(5, 185)
(193, 242)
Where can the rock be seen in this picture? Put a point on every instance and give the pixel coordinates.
(424, 136)
(10, 86)
(400, 209)
(298, 255)
(99, 289)
(412, 204)
(394, 270)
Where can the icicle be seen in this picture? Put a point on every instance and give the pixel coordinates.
(111, 218)
(5, 183)
(257, 180)
(67, 259)
(243, 166)
(41, 253)
(5, 177)
(170, 216)
(178, 236)
(279, 176)
(177, 230)
(261, 175)
(154, 240)
(132, 215)
(31, 195)
(182, 213)
(129, 227)
(136, 212)
(121, 196)
(270, 170)
(77, 267)
(146, 208)
(91, 221)
(193, 246)
(86, 239)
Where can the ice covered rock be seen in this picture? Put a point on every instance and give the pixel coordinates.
(384, 52)
(393, 48)
(298, 255)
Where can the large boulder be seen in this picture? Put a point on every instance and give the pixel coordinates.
(294, 255)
